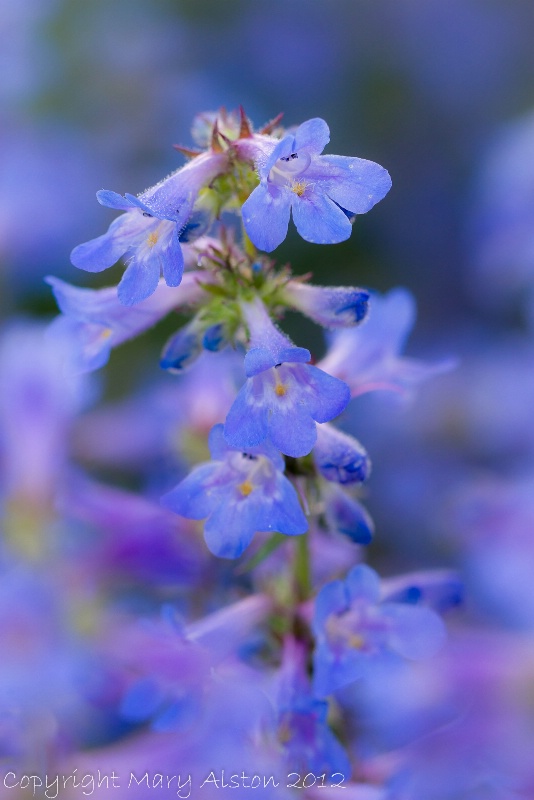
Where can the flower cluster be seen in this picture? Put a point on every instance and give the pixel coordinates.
(245, 442)
(236, 295)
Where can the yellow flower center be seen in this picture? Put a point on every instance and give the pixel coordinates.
(152, 239)
(284, 733)
(280, 389)
(356, 641)
(299, 187)
(245, 488)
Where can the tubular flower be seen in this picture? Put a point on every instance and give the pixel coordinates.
(284, 396)
(150, 230)
(355, 632)
(340, 457)
(330, 306)
(96, 321)
(238, 493)
(369, 358)
(322, 192)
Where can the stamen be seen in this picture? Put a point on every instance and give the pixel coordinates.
(245, 488)
(299, 187)
(356, 641)
(152, 239)
(284, 733)
(280, 389)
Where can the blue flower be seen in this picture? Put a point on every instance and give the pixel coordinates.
(284, 396)
(152, 245)
(319, 190)
(340, 457)
(96, 321)
(348, 516)
(369, 357)
(238, 493)
(331, 306)
(355, 631)
(175, 665)
(185, 346)
(149, 232)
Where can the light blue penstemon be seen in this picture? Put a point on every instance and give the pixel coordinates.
(95, 321)
(152, 245)
(238, 493)
(284, 396)
(150, 231)
(322, 192)
(356, 630)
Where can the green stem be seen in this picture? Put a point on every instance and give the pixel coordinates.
(302, 568)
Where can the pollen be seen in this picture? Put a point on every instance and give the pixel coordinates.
(356, 641)
(245, 488)
(152, 239)
(299, 187)
(280, 389)
(284, 733)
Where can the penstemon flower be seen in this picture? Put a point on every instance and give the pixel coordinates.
(339, 457)
(97, 321)
(322, 192)
(149, 231)
(284, 396)
(237, 676)
(238, 493)
(356, 631)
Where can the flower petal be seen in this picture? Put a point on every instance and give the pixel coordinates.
(91, 342)
(330, 396)
(363, 583)
(246, 423)
(113, 200)
(266, 216)
(104, 251)
(229, 530)
(354, 183)
(191, 498)
(332, 599)
(313, 136)
(318, 219)
(172, 259)
(139, 280)
(418, 631)
(286, 514)
(292, 430)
